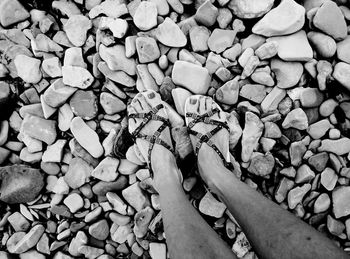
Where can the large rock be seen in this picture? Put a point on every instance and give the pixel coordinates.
(11, 12)
(193, 77)
(20, 184)
(248, 9)
(288, 17)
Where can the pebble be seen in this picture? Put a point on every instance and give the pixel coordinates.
(18, 222)
(198, 78)
(330, 20)
(58, 93)
(311, 97)
(228, 93)
(220, 40)
(252, 132)
(250, 9)
(169, 34)
(121, 233)
(26, 242)
(147, 49)
(304, 174)
(145, 17)
(287, 74)
(341, 73)
(99, 230)
(340, 198)
(54, 152)
(339, 147)
(28, 68)
(84, 104)
(12, 12)
(142, 220)
(117, 26)
(296, 152)
(342, 50)
(106, 170)
(157, 250)
(322, 203)
(136, 197)
(86, 137)
(254, 92)
(296, 195)
(318, 129)
(272, 100)
(284, 186)
(267, 50)
(241, 246)
(52, 67)
(76, 29)
(77, 77)
(74, 202)
(78, 173)
(211, 207)
(206, 14)
(261, 164)
(329, 179)
(296, 119)
(288, 17)
(324, 44)
(293, 47)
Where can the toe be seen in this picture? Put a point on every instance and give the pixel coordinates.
(191, 106)
(202, 108)
(153, 99)
(143, 103)
(136, 104)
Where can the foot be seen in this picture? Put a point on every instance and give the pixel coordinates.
(209, 162)
(161, 157)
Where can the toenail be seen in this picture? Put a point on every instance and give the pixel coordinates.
(193, 101)
(151, 95)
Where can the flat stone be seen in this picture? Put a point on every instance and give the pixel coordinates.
(272, 100)
(74, 57)
(288, 17)
(74, 202)
(342, 74)
(11, 12)
(211, 207)
(267, 50)
(40, 129)
(330, 19)
(287, 74)
(253, 92)
(99, 230)
(228, 93)
(147, 49)
(52, 67)
(76, 29)
(329, 179)
(113, 9)
(117, 26)
(77, 77)
(311, 97)
(252, 132)
(206, 14)
(342, 50)
(220, 40)
(157, 250)
(304, 174)
(261, 164)
(142, 220)
(296, 152)
(28, 241)
(319, 161)
(340, 198)
(119, 77)
(322, 203)
(28, 68)
(197, 79)
(293, 47)
(324, 44)
(111, 104)
(84, 104)
(318, 129)
(136, 197)
(170, 34)
(54, 152)
(250, 9)
(116, 59)
(199, 36)
(118, 204)
(106, 170)
(86, 137)
(18, 222)
(296, 195)
(284, 186)
(65, 116)
(339, 147)
(58, 93)
(145, 17)
(78, 173)
(90, 252)
(121, 233)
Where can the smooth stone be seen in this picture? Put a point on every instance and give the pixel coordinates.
(267, 50)
(324, 44)
(136, 197)
(142, 220)
(228, 93)
(250, 9)
(162, 7)
(343, 50)
(74, 57)
(304, 174)
(322, 203)
(296, 119)
(78, 77)
(18, 222)
(284, 186)
(311, 97)
(111, 104)
(58, 93)
(252, 132)
(101, 188)
(253, 92)
(197, 79)
(340, 198)
(65, 116)
(106, 170)
(211, 207)
(287, 74)
(4, 132)
(341, 73)
(28, 241)
(329, 179)
(28, 68)
(330, 19)
(117, 26)
(288, 17)
(52, 67)
(84, 104)
(145, 17)
(199, 36)
(40, 129)
(74, 202)
(170, 34)
(54, 152)
(113, 9)
(157, 250)
(318, 129)
(293, 47)
(296, 152)
(99, 230)
(147, 49)
(273, 99)
(12, 12)
(86, 137)
(296, 195)
(220, 40)
(180, 96)
(116, 59)
(121, 233)
(78, 173)
(319, 161)
(76, 29)
(119, 77)
(206, 14)
(339, 147)
(90, 252)
(261, 164)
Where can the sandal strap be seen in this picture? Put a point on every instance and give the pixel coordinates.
(206, 138)
(155, 138)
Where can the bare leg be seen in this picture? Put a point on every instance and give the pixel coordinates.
(272, 231)
(187, 233)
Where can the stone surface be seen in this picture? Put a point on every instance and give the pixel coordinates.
(84, 104)
(40, 129)
(136, 197)
(76, 29)
(28, 68)
(340, 197)
(78, 173)
(211, 207)
(250, 9)
(169, 34)
(340, 146)
(145, 17)
(296, 119)
(58, 93)
(287, 74)
(342, 50)
(106, 169)
(261, 164)
(78, 77)
(342, 74)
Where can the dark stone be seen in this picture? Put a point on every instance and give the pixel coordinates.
(61, 210)
(20, 184)
(122, 142)
(101, 188)
(312, 114)
(165, 90)
(292, 134)
(319, 161)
